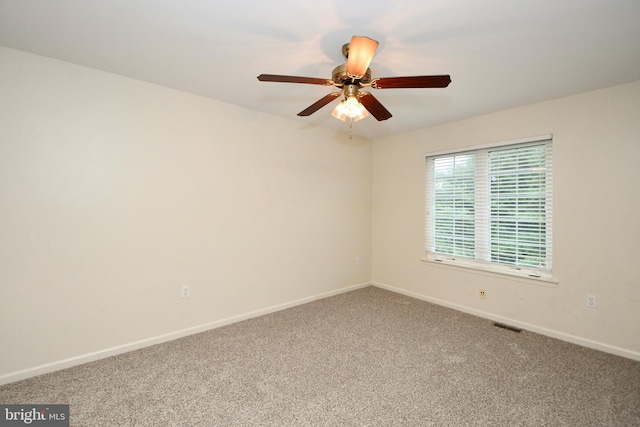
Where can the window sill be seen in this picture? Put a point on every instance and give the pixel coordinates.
(493, 272)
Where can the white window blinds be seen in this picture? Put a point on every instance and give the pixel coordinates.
(492, 206)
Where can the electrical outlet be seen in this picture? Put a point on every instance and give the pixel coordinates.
(358, 260)
(483, 294)
(185, 291)
(592, 301)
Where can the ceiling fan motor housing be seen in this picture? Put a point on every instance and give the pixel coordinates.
(340, 77)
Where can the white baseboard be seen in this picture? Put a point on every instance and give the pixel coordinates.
(522, 325)
(101, 354)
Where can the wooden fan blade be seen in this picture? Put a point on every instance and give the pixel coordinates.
(319, 104)
(294, 79)
(412, 82)
(361, 51)
(374, 106)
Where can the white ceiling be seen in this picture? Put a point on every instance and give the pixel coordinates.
(500, 53)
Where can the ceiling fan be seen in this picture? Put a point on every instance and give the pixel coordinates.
(353, 76)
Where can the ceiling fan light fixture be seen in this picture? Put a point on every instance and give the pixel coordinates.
(350, 108)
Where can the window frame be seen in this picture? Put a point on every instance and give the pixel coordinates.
(483, 213)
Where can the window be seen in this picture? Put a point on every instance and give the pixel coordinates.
(490, 207)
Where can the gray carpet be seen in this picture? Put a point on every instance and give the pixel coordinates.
(365, 358)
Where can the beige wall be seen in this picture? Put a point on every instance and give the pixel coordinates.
(114, 193)
(596, 220)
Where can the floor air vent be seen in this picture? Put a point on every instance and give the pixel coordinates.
(507, 327)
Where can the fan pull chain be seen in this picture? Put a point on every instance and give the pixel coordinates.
(350, 128)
